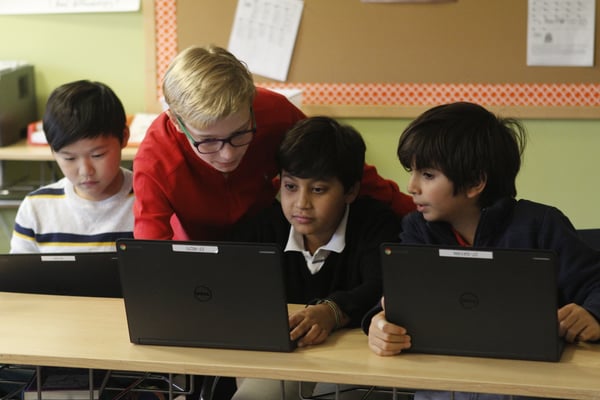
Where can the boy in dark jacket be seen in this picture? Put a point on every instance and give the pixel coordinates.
(463, 161)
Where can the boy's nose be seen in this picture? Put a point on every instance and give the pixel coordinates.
(302, 200)
(86, 169)
(228, 152)
(412, 187)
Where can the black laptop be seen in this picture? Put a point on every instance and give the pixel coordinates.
(73, 274)
(474, 302)
(204, 294)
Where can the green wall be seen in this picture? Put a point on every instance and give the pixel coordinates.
(561, 161)
(106, 47)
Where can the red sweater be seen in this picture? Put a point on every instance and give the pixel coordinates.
(178, 196)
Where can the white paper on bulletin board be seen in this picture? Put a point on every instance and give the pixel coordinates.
(561, 32)
(11, 7)
(264, 33)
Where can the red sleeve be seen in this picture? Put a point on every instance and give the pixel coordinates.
(385, 190)
(151, 210)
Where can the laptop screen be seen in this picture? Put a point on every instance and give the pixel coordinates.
(475, 302)
(204, 294)
(73, 274)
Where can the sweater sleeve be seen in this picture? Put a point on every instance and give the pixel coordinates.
(374, 224)
(579, 264)
(386, 191)
(151, 209)
(366, 320)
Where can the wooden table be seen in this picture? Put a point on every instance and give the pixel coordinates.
(92, 333)
(21, 151)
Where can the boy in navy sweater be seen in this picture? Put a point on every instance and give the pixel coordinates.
(463, 161)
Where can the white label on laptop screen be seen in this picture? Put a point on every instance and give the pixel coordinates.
(58, 258)
(188, 248)
(466, 253)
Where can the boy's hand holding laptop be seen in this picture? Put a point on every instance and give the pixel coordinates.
(577, 324)
(388, 339)
(385, 338)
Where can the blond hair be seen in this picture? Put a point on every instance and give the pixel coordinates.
(205, 84)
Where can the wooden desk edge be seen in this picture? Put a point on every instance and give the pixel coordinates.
(278, 373)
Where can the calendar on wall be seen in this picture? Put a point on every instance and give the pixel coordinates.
(561, 32)
(264, 34)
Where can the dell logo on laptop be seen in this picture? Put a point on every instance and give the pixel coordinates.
(202, 293)
(468, 300)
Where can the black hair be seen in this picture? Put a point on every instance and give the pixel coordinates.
(82, 110)
(468, 144)
(321, 148)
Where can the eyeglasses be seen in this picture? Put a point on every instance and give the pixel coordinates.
(236, 139)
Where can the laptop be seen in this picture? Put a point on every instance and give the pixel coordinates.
(72, 274)
(204, 294)
(499, 303)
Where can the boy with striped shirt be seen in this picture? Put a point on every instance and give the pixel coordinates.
(88, 209)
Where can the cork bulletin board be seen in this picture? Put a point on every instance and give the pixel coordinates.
(357, 59)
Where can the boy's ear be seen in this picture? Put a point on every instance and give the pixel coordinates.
(173, 119)
(126, 136)
(477, 188)
(352, 193)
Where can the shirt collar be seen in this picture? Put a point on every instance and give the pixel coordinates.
(336, 244)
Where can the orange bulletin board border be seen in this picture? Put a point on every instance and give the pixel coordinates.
(538, 100)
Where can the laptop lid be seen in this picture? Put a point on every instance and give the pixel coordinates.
(73, 274)
(475, 302)
(204, 294)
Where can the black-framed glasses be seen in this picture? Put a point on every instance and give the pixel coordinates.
(236, 139)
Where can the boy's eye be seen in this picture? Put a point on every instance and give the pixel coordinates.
(289, 186)
(319, 189)
(427, 173)
(98, 155)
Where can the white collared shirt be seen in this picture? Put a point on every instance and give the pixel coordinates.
(314, 262)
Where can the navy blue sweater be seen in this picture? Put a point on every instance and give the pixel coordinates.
(509, 223)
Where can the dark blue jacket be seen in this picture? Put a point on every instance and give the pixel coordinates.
(509, 223)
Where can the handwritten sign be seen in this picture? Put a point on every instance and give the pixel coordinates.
(12, 7)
